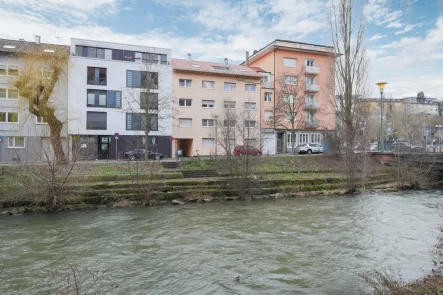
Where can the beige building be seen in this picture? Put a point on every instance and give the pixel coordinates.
(203, 92)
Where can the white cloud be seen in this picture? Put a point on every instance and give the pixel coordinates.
(395, 24)
(377, 36)
(407, 29)
(379, 13)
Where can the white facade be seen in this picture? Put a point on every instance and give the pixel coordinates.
(116, 72)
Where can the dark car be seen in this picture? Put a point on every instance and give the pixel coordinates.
(242, 150)
(140, 154)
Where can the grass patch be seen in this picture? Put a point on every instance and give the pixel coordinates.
(197, 165)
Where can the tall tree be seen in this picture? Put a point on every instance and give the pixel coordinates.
(36, 82)
(440, 108)
(421, 96)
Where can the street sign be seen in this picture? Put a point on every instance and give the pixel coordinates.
(171, 138)
(116, 135)
(426, 131)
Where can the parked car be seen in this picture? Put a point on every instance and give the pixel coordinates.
(309, 148)
(140, 154)
(373, 147)
(242, 150)
(404, 146)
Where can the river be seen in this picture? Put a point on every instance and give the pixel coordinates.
(313, 245)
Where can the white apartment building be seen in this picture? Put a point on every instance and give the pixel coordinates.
(106, 82)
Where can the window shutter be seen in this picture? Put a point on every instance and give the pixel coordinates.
(128, 121)
(136, 82)
(84, 51)
(97, 76)
(118, 99)
(110, 99)
(129, 78)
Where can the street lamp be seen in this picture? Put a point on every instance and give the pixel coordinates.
(381, 86)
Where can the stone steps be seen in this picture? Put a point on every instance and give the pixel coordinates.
(199, 173)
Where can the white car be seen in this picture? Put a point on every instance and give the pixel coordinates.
(309, 148)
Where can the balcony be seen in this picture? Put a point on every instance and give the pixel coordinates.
(311, 105)
(312, 87)
(312, 123)
(313, 70)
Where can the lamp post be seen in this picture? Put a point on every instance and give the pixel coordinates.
(381, 87)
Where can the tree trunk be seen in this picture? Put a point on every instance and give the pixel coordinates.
(55, 127)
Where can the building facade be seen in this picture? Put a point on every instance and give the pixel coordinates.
(289, 60)
(25, 137)
(211, 98)
(111, 88)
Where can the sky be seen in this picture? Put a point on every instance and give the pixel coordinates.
(404, 42)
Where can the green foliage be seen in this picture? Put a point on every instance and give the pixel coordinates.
(197, 165)
(421, 96)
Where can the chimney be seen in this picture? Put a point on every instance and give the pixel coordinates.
(247, 59)
(226, 61)
(37, 39)
(255, 51)
(189, 57)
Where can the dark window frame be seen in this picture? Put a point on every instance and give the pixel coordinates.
(95, 76)
(101, 113)
(137, 121)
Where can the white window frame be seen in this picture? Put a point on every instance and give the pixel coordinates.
(6, 69)
(187, 120)
(287, 62)
(207, 123)
(210, 103)
(14, 144)
(268, 115)
(229, 103)
(229, 123)
(231, 86)
(7, 94)
(268, 97)
(18, 71)
(204, 86)
(212, 140)
(307, 61)
(316, 138)
(187, 83)
(292, 81)
(42, 121)
(248, 106)
(289, 140)
(303, 138)
(248, 87)
(247, 124)
(185, 99)
(289, 98)
(7, 115)
(308, 78)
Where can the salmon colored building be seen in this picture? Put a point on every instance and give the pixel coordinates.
(283, 58)
(202, 92)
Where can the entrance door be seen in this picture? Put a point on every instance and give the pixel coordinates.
(104, 144)
(279, 143)
(268, 143)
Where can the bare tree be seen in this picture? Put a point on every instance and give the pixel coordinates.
(289, 103)
(40, 73)
(349, 81)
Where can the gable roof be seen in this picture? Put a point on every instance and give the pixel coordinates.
(21, 46)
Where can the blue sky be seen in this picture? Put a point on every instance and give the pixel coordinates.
(404, 44)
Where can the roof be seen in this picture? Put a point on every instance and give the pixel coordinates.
(21, 46)
(197, 66)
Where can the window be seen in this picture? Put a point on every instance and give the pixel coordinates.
(185, 122)
(208, 84)
(13, 70)
(268, 96)
(229, 86)
(149, 101)
(249, 124)
(16, 142)
(250, 105)
(304, 138)
(8, 117)
(104, 98)
(117, 54)
(96, 121)
(129, 55)
(184, 83)
(10, 93)
(97, 76)
(137, 121)
(208, 122)
(2, 70)
(250, 87)
(163, 59)
(310, 116)
(289, 98)
(141, 79)
(207, 103)
(40, 120)
(47, 73)
(185, 102)
(310, 80)
(310, 98)
(208, 142)
(289, 62)
(229, 123)
(290, 80)
(229, 104)
(268, 116)
(3, 93)
(289, 116)
(289, 140)
(227, 69)
(309, 62)
(315, 138)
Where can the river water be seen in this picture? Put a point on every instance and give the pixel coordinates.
(313, 245)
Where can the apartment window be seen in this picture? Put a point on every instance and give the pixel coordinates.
(207, 103)
(3, 70)
(182, 122)
(249, 124)
(229, 104)
(310, 116)
(290, 80)
(289, 136)
(289, 62)
(309, 62)
(229, 123)
(40, 120)
(184, 83)
(47, 73)
(208, 84)
(163, 59)
(289, 98)
(3, 92)
(310, 98)
(96, 120)
(268, 116)
(304, 138)
(315, 138)
(10, 93)
(149, 101)
(13, 70)
(185, 102)
(208, 142)
(141, 79)
(250, 87)
(129, 55)
(310, 80)
(137, 121)
(8, 117)
(92, 52)
(229, 86)
(208, 122)
(16, 142)
(250, 105)
(268, 96)
(104, 98)
(117, 54)
(97, 76)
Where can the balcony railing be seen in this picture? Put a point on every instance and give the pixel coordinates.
(312, 87)
(311, 105)
(312, 123)
(312, 70)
